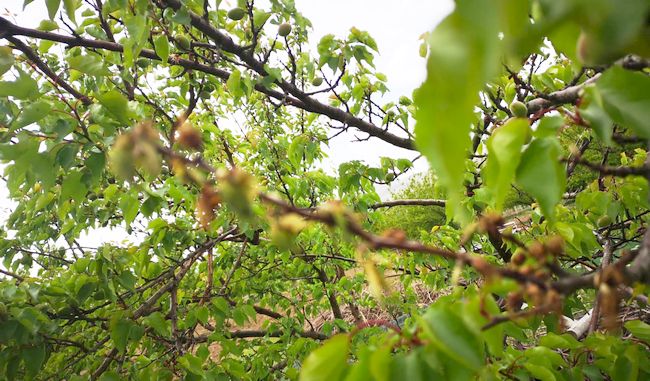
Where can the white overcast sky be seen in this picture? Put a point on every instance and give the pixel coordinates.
(395, 25)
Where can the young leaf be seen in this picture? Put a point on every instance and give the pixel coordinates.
(504, 153)
(463, 55)
(6, 59)
(452, 336)
(161, 44)
(624, 95)
(32, 113)
(541, 174)
(329, 362)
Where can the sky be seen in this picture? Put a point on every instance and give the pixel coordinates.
(396, 27)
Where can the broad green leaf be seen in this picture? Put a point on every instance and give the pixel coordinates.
(116, 104)
(639, 329)
(192, 364)
(449, 333)
(234, 84)
(504, 153)
(260, 17)
(624, 96)
(548, 126)
(130, 207)
(626, 367)
(90, 64)
(32, 113)
(34, 357)
(157, 321)
(464, 54)
(161, 44)
(119, 331)
(47, 26)
(110, 375)
(70, 7)
(72, 187)
(592, 110)
(52, 7)
(6, 59)
(329, 362)
(24, 87)
(541, 174)
(380, 363)
(539, 372)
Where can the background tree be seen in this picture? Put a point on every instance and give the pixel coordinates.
(244, 267)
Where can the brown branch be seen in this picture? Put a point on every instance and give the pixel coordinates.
(408, 202)
(42, 66)
(246, 334)
(297, 98)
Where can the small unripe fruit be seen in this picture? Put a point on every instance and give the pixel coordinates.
(604, 221)
(317, 81)
(208, 87)
(390, 177)
(37, 187)
(236, 14)
(204, 94)
(519, 109)
(284, 29)
(183, 42)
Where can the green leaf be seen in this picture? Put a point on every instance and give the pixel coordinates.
(380, 363)
(70, 7)
(130, 207)
(234, 84)
(34, 357)
(639, 329)
(161, 44)
(110, 375)
(452, 336)
(626, 367)
(119, 331)
(592, 110)
(329, 362)
(32, 113)
(260, 17)
(137, 27)
(192, 364)
(90, 64)
(464, 54)
(539, 372)
(24, 87)
(116, 104)
(47, 25)
(624, 95)
(72, 187)
(6, 59)
(157, 321)
(504, 153)
(541, 174)
(52, 7)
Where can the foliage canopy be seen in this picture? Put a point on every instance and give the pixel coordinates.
(200, 129)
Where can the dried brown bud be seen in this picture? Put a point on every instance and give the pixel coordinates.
(518, 257)
(208, 200)
(397, 235)
(555, 245)
(514, 301)
(189, 137)
(537, 250)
